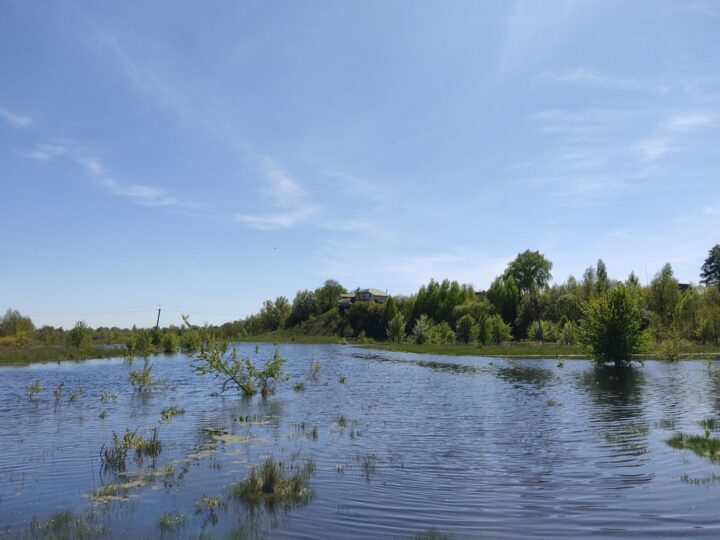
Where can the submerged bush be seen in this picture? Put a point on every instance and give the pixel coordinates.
(701, 445)
(612, 326)
(114, 457)
(142, 379)
(271, 485)
(242, 374)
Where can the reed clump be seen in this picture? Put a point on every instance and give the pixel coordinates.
(272, 486)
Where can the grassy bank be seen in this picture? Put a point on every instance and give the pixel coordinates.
(291, 337)
(525, 349)
(30, 355)
(510, 349)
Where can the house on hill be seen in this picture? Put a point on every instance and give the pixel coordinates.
(362, 295)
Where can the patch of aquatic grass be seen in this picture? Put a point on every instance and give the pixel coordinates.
(709, 479)
(433, 534)
(701, 445)
(553, 403)
(341, 380)
(341, 421)
(170, 522)
(167, 414)
(68, 526)
(142, 380)
(209, 507)
(58, 391)
(299, 387)
(72, 396)
(103, 414)
(108, 397)
(665, 423)
(114, 457)
(272, 486)
(709, 423)
(313, 370)
(34, 389)
(368, 465)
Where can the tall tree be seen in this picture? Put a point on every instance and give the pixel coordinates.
(710, 272)
(664, 295)
(329, 294)
(530, 270)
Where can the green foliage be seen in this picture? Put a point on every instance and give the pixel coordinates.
(114, 457)
(702, 445)
(498, 330)
(543, 331)
(170, 522)
(22, 339)
(530, 270)
(274, 315)
(272, 486)
(664, 296)
(190, 341)
(329, 294)
(612, 326)
(13, 322)
(439, 300)
(141, 379)
(710, 271)
(313, 370)
(80, 336)
(367, 317)
(305, 305)
(142, 342)
(169, 343)
(421, 331)
(466, 329)
(504, 295)
(568, 333)
(396, 328)
(242, 374)
(442, 334)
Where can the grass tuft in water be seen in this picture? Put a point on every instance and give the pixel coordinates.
(313, 370)
(114, 457)
(108, 397)
(272, 486)
(553, 403)
(368, 464)
(709, 423)
(299, 387)
(34, 389)
(701, 445)
(142, 380)
(170, 522)
(68, 526)
(342, 380)
(341, 421)
(166, 415)
(209, 506)
(433, 534)
(58, 391)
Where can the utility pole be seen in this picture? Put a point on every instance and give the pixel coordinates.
(157, 324)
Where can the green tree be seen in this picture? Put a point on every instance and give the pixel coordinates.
(612, 326)
(421, 331)
(664, 295)
(530, 270)
(466, 329)
(710, 271)
(329, 294)
(80, 336)
(13, 322)
(601, 278)
(389, 311)
(504, 296)
(305, 305)
(169, 343)
(396, 328)
(498, 329)
(191, 340)
(442, 334)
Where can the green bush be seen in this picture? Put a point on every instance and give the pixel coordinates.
(612, 326)
(498, 330)
(466, 329)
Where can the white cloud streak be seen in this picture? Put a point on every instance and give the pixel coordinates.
(93, 167)
(14, 119)
(589, 76)
(288, 203)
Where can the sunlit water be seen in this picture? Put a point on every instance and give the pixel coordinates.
(477, 447)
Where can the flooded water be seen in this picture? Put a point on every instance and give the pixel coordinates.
(476, 447)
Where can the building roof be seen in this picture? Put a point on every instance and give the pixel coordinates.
(374, 292)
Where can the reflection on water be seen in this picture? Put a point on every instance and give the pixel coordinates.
(472, 446)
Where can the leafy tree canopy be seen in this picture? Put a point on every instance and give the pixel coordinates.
(710, 271)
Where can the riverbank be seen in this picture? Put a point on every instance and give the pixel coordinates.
(32, 355)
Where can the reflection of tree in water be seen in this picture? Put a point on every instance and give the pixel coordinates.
(618, 390)
(715, 388)
(523, 375)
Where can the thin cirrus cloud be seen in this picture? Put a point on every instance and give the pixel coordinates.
(288, 205)
(15, 119)
(141, 194)
(588, 76)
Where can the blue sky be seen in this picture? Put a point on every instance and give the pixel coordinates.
(209, 155)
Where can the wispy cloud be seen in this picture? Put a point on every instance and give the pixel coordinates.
(689, 121)
(15, 119)
(288, 203)
(589, 76)
(652, 149)
(94, 168)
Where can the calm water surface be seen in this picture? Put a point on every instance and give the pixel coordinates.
(477, 447)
